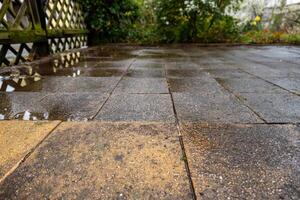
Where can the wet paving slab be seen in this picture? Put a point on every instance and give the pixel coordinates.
(17, 139)
(54, 84)
(289, 83)
(145, 73)
(137, 107)
(50, 106)
(186, 73)
(212, 107)
(228, 73)
(103, 161)
(249, 85)
(194, 85)
(137, 97)
(243, 161)
(206, 72)
(147, 64)
(275, 108)
(142, 85)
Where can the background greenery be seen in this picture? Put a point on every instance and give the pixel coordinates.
(168, 21)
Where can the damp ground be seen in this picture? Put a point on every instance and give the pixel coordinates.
(171, 122)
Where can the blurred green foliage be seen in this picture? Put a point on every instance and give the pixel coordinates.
(195, 20)
(110, 20)
(168, 21)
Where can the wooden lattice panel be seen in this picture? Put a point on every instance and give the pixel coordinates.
(15, 21)
(14, 15)
(12, 54)
(27, 25)
(64, 14)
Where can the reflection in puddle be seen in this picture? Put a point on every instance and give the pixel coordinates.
(12, 84)
(25, 90)
(27, 115)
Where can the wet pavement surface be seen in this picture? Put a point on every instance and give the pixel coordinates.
(171, 122)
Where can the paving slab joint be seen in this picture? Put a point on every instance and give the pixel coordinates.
(109, 95)
(22, 160)
(240, 99)
(184, 156)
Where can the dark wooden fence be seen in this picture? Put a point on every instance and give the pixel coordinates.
(33, 28)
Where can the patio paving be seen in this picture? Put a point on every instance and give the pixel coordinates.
(169, 122)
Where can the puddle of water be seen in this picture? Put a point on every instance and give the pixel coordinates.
(31, 116)
(21, 83)
(22, 88)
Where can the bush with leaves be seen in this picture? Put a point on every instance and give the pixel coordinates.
(110, 20)
(195, 20)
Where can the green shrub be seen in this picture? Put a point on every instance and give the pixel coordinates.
(110, 20)
(290, 38)
(195, 20)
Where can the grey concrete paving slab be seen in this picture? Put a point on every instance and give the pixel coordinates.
(186, 64)
(228, 73)
(142, 85)
(290, 83)
(121, 64)
(183, 73)
(17, 139)
(103, 161)
(292, 70)
(243, 161)
(144, 64)
(137, 107)
(263, 71)
(275, 108)
(145, 73)
(204, 84)
(212, 107)
(249, 85)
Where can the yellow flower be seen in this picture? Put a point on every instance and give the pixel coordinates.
(257, 18)
(253, 23)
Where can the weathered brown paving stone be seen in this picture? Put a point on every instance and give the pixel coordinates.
(17, 138)
(97, 160)
(243, 161)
